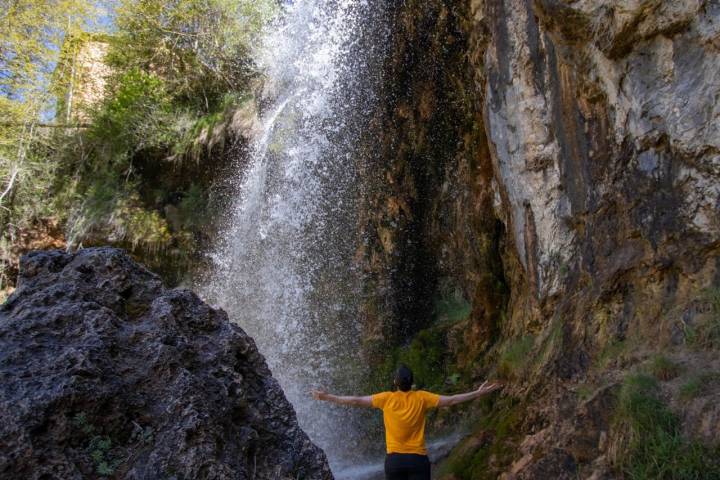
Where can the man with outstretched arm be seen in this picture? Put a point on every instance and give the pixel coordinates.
(404, 418)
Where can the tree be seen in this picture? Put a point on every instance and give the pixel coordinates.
(199, 47)
(31, 34)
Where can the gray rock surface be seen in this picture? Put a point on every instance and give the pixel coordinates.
(603, 122)
(105, 373)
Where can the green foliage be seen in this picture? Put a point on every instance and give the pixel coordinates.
(424, 355)
(648, 440)
(192, 128)
(32, 34)
(80, 421)
(135, 116)
(112, 211)
(98, 447)
(427, 356)
(199, 47)
(515, 356)
(177, 69)
(193, 208)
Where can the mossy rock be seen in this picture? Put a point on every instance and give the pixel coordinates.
(484, 453)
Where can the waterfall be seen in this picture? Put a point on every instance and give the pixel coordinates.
(283, 268)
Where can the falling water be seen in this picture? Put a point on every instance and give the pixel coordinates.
(284, 267)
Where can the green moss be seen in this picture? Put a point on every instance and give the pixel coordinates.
(450, 304)
(452, 309)
(651, 445)
(515, 357)
(426, 357)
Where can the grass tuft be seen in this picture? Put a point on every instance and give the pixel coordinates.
(663, 368)
(612, 353)
(697, 385)
(646, 439)
(705, 332)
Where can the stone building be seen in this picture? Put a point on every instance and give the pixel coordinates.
(81, 76)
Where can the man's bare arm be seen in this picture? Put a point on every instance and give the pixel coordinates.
(342, 400)
(450, 400)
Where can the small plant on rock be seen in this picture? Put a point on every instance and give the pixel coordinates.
(98, 447)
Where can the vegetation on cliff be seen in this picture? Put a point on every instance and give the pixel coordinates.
(130, 166)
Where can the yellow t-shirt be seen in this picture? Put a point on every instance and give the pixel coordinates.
(404, 417)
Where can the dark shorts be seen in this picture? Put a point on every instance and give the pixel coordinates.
(407, 466)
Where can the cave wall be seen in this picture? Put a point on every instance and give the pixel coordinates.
(554, 165)
(570, 151)
(431, 237)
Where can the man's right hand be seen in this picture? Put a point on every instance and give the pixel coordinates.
(487, 388)
(319, 394)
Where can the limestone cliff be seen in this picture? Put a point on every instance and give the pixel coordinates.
(548, 211)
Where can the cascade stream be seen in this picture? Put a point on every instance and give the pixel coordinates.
(283, 268)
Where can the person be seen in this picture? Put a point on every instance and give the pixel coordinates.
(404, 417)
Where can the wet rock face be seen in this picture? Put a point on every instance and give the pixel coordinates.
(605, 136)
(557, 162)
(104, 372)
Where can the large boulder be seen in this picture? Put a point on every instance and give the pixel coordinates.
(105, 373)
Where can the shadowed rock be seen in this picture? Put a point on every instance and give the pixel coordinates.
(104, 372)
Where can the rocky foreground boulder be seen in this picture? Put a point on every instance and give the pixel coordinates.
(106, 373)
